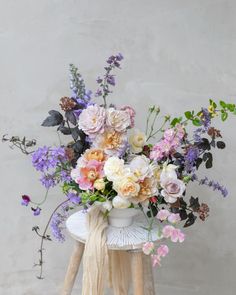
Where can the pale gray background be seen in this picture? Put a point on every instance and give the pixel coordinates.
(178, 53)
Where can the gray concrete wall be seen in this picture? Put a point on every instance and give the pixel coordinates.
(178, 53)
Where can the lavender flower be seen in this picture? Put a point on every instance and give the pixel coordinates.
(206, 118)
(74, 198)
(111, 80)
(65, 176)
(214, 185)
(57, 223)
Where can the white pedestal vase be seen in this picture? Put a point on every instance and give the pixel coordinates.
(122, 217)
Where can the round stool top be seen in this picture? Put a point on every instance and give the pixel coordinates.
(125, 238)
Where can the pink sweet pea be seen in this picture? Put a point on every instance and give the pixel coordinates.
(167, 231)
(173, 233)
(174, 218)
(148, 248)
(156, 260)
(163, 214)
(162, 250)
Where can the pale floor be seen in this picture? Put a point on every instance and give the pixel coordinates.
(25, 283)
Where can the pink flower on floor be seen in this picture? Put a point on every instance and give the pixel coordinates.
(162, 250)
(163, 214)
(174, 218)
(148, 248)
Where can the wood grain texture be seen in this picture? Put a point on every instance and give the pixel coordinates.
(148, 275)
(137, 272)
(73, 268)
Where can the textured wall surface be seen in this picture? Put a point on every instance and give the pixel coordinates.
(178, 53)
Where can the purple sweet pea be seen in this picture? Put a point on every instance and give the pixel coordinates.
(25, 200)
(36, 211)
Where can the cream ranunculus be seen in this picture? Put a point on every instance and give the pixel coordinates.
(120, 203)
(117, 119)
(114, 168)
(137, 140)
(126, 187)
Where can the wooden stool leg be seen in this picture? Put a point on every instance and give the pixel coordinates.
(73, 268)
(137, 272)
(148, 275)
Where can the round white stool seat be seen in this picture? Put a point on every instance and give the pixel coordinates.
(126, 238)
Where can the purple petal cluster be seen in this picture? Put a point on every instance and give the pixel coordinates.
(74, 198)
(214, 185)
(206, 118)
(190, 158)
(45, 158)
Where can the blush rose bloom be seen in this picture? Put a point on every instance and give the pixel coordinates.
(92, 120)
(126, 187)
(172, 189)
(117, 119)
(131, 113)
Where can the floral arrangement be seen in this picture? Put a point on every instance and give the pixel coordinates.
(107, 161)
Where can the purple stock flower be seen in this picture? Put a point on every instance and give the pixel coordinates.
(214, 185)
(25, 200)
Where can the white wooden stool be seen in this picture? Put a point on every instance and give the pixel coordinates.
(130, 239)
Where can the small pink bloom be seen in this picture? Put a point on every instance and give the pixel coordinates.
(148, 248)
(180, 132)
(167, 231)
(177, 235)
(156, 260)
(169, 134)
(131, 113)
(174, 218)
(163, 214)
(162, 251)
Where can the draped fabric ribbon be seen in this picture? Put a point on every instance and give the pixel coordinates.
(99, 266)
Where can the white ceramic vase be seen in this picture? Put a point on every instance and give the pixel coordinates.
(122, 217)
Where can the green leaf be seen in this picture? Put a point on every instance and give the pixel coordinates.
(188, 115)
(224, 116)
(231, 107)
(223, 104)
(196, 122)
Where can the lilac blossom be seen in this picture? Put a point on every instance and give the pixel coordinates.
(57, 223)
(48, 180)
(74, 198)
(190, 158)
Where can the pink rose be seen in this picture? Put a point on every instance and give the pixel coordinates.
(92, 120)
(118, 120)
(131, 113)
(148, 248)
(172, 189)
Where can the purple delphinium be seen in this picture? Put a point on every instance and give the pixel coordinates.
(48, 180)
(214, 185)
(65, 176)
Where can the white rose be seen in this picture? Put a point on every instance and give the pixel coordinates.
(114, 168)
(117, 119)
(137, 140)
(107, 205)
(120, 203)
(168, 171)
(140, 167)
